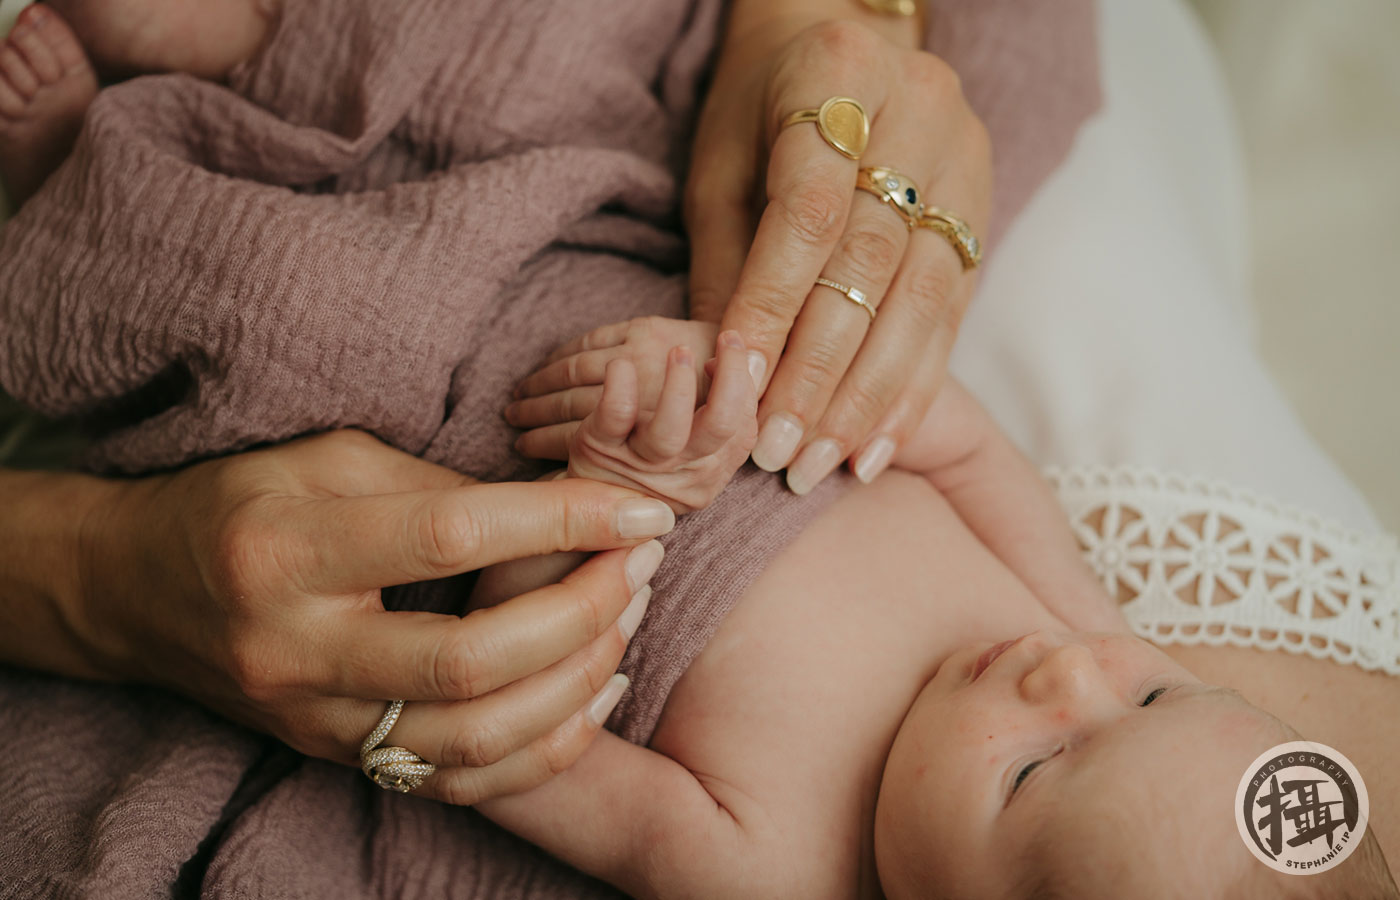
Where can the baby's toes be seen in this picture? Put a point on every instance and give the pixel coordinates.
(17, 72)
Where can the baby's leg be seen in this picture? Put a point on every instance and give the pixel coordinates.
(46, 84)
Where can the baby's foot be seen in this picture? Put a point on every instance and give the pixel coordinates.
(46, 84)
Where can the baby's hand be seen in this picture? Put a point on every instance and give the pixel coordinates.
(567, 387)
(671, 450)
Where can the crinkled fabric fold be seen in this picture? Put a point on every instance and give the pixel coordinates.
(384, 221)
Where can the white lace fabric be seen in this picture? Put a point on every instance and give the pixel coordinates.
(1192, 561)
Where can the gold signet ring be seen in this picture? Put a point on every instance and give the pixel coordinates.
(842, 123)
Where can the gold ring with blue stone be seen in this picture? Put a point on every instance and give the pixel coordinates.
(895, 189)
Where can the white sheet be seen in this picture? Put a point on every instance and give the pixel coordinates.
(1114, 325)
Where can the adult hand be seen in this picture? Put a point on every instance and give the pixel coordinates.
(252, 584)
(841, 385)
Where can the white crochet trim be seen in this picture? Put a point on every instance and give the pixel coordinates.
(1200, 562)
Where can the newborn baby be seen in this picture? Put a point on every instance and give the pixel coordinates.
(898, 706)
(51, 59)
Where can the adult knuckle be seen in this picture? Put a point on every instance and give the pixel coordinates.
(814, 210)
(866, 402)
(459, 668)
(556, 753)
(931, 288)
(477, 745)
(449, 536)
(932, 75)
(822, 363)
(841, 40)
(458, 788)
(872, 253)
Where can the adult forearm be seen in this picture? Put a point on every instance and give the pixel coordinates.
(41, 568)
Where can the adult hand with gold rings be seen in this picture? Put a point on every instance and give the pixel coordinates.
(839, 384)
(252, 584)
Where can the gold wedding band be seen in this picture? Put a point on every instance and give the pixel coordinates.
(842, 123)
(392, 768)
(899, 191)
(855, 295)
(958, 233)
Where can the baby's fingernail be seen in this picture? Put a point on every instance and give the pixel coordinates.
(683, 356)
(758, 367)
(509, 412)
(634, 613)
(606, 700)
(812, 465)
(643, 519)
(776, 442)
(874, 459)
(642, 563)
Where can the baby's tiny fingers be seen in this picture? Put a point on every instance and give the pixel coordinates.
(617, 411)
(578, 370)
(572, 405)
(668, 432)
(597, 339)
(550, 442)
(733, 399)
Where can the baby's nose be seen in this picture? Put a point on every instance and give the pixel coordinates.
(1068, 673)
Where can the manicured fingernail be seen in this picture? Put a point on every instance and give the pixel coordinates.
(606, 700)
(644, 518)
(776, 442)
(642, 563)
(812, 465)
(632, 616)
(874, 458)
(758, 367)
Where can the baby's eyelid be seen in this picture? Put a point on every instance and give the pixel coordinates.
(1033, 764)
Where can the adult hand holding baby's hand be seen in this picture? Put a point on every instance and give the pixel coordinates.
(641, 426)
(252, 585)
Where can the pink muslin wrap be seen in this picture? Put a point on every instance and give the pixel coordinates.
(385, 220)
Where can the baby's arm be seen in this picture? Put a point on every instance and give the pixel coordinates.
(1005, 502)
(637, 819)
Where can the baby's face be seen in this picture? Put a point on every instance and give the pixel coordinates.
(1025, 750)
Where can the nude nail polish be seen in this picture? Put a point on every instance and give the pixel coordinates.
(814, 463)
(643, 518)
(777, 441)
(874, 458)
(605, 701)
(631, 618)
(643, 562)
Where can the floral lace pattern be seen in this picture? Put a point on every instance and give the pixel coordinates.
(1199, 562)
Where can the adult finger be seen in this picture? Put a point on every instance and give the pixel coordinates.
(571, 405)
(424, 656)
(718, 210)
(902, 418)
(532, 766)
(809, 186)
(357, 544)
(486, 730)
(586, 367)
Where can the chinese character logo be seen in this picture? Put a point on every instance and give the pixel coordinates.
(1301, 807)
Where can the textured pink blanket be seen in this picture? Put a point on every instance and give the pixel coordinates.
(392, 215)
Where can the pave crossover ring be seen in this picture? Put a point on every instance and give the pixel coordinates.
(958, 233)
(841, 122)
(899, 191)
(855, 295)
(392, 768)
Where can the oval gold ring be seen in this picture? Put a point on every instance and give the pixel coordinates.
(958, 233)
(842, 123)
